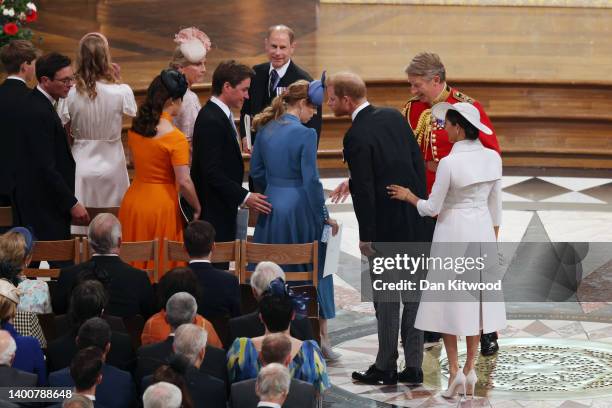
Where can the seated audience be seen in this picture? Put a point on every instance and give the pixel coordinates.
(250, 325)
(275, 348)
(220, 289)
(88, 300)
(163, 395)
(29, 356)
(204, 390)
(9, 376)
(172, 374)
(273, 385)
(129, 289)
(180, 309)
(78, 401)
(117, 388)
(276, 311)
(156, 329)
(15, 255)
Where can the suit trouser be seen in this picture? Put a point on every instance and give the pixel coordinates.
(388, 322)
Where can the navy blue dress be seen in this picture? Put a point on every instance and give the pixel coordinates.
(284, 165)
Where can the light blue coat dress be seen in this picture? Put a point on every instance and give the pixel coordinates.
(284, 165)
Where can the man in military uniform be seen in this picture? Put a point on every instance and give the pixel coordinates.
(427, 77)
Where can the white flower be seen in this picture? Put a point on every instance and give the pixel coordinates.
(31, 6)
(8, 12)
(22, 16)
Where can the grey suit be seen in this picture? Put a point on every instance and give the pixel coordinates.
(301, 394)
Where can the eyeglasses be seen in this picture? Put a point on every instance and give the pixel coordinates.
(65, 81)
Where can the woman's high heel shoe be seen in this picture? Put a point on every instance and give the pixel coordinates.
(470, 382)
(456, 386)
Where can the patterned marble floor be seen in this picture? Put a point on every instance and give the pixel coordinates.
(536, 208)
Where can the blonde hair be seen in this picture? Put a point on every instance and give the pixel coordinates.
(347, 84)
(292, 95)
(93, 62)
(8, 309)
(426, 65)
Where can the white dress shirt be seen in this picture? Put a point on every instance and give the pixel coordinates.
(280, 71)
(16, 77)
(49, 97)
(359, 109)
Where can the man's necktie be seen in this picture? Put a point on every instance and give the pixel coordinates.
(273, 83)
(231, 119)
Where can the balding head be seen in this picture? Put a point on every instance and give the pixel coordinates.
(282, 29)
(345, 92)
(104, 234)
(7, 348)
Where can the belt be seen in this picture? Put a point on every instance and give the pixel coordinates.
(474, 204)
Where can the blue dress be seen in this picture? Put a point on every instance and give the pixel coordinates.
(284, 165)
(28, 356)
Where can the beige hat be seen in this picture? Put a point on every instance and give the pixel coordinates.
(8, 290)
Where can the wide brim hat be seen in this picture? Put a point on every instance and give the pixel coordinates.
(467, 110)
(316, 90)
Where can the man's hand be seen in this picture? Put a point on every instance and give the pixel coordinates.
(79, 215)
(340, 193)
(245, 146)
(366, 248)
(258, 202)
(334, 226)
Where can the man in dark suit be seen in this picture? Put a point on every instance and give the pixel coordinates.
(217, 169)
(272, 386)
(181, 309)
(9, 376)
(18, 58)
(275, 348)
(220, 289)
(380, 150)
(88, 300)
(129, 289)
(274, 76)
(116, 388)
(250, 325)
(44, 191)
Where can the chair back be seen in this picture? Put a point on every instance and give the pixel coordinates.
(282, 254)
(63, 250)
(6, 217)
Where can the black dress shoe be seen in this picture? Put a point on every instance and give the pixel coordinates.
(375, 376)
(488, 344)
(410, 375)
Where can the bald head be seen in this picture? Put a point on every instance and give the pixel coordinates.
(7, 348)
(104, 234)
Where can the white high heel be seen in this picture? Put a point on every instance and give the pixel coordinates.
(470, 382)
(456, 386)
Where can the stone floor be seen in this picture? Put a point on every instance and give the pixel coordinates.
(552, 354)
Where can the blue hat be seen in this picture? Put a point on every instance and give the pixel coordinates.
(316, 91)
(27, 235)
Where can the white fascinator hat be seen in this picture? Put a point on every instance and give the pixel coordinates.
(193, 43)
(467, 110)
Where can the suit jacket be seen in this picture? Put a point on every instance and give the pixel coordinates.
(44, 191)
(301, 394)
(220, 291)
(12, 377)
(116, 389)
(380, 150)
(249, 325)
(217, 170)
(12, 93)
(206, 391)
(61, 351)
(130, 288)
(259, 98)
(152, 356)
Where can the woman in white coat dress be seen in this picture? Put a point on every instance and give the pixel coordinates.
(466, 197)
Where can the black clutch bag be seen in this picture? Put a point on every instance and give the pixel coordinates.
(186, 209)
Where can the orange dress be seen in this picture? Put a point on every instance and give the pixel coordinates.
(150, 207)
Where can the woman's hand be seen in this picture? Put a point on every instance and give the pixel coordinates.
(334, 225)
(196, 213)
(399, 193)
(340, 193)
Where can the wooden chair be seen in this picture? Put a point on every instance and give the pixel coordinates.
(223, 252)
(6, 217)
(64, 250)
(140, 251)
(282, 254)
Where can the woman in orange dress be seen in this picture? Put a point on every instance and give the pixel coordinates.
(160, 153)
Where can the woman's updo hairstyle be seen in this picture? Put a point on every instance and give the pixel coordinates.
(454, 117)
(294, 93)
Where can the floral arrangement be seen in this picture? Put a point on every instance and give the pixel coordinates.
(14, 16)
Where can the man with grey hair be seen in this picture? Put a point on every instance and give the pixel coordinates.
(427, 77)
(162, 395)
(250, 325)
(9, 376)
(78, 401)
(272, 385)
(129, 289)
(275, 348)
